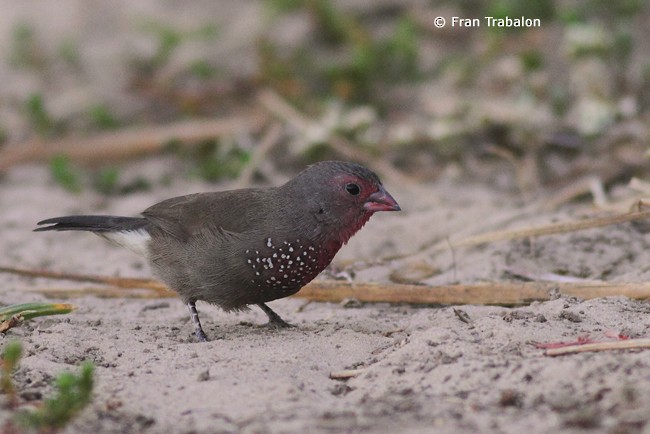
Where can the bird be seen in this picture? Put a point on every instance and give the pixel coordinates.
(248, 246)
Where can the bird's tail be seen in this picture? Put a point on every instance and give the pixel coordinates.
(129, 232)
(93, 223)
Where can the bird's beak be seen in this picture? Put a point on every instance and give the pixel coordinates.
(381, 201)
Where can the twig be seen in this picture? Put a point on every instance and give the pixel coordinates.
(120, 282)
(345, 374)
(10, 323)
(101, 292)
(463, 316)
(627, 344)
(553, 229)
(125, 144)
(497, 293)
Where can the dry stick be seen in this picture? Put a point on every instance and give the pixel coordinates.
(119, 282)
(101, 292)
(127, 143)
(277, 106)
(512, 234)
(553, 229)
(600, 346)
(345, 374)
(500, 293)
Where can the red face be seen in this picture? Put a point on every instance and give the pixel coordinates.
(364, 193)
(357, 199)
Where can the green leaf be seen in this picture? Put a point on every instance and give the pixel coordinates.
(33, 310)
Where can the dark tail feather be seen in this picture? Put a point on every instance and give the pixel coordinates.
(93, 223)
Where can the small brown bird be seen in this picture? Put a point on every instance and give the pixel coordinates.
(250, 246)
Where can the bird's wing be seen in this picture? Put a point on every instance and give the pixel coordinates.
(236, 211)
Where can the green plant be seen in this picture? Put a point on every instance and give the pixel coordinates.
(106, 180)
(73, 393)
(10, 357)
(357, 61)
(25, 51)
(102, 118)
(215, 161)
(169, 38)
(38, 116)
(65, 174)
(11, 316)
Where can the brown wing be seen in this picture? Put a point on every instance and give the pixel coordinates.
(235, 211)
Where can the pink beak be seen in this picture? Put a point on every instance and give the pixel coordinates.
(381, 201)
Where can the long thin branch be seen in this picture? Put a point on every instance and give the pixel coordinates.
(125, 144)
(498, 293)
(553, 229)
(600, 346)
(529, 232)
(119, 282)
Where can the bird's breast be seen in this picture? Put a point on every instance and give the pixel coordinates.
(280, 267)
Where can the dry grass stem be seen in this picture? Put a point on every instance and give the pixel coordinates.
(120, 282)
(497, 293)
(552, 229)
(629, 344)
(126, 144)
(101, 292)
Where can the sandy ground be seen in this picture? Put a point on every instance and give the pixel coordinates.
(422, 368)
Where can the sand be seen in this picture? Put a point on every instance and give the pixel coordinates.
(419, 368)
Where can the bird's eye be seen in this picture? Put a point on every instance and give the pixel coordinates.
(353, 189)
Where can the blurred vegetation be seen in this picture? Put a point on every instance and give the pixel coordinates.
(356, 63)
(428, 96)
(72, 393)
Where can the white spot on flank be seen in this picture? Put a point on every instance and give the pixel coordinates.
(268, 243)
(136, 241)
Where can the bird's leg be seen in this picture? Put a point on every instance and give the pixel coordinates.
(274, 319)
(198, 331)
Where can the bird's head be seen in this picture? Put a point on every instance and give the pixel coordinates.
(341, 197)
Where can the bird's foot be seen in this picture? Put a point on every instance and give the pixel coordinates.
(200, 335)
(275, 321)
(278, 323)
(198, 330)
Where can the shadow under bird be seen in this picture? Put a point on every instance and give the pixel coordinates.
(249, 246)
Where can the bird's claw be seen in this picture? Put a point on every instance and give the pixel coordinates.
(278, 323)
